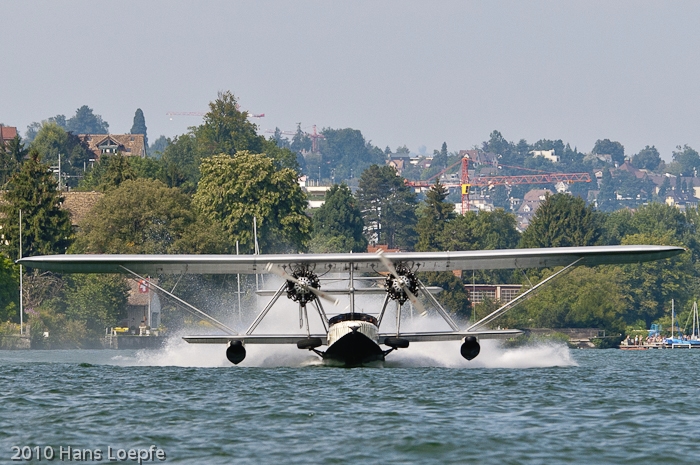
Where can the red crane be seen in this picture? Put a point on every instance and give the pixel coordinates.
(487, 181)
(314, 136)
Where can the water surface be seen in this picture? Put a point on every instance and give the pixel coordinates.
(533, 405)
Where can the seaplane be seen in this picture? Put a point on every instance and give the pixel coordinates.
(352, 337)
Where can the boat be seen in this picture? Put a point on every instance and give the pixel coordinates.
(680, 342)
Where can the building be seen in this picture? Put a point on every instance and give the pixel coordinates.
(497, 292)
(131, 145)
(531, 202)
(7, 133)
(548, 154)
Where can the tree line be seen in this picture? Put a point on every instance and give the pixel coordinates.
(203, 192)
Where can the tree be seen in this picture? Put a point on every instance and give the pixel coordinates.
(52, 140)
(87, 122)
(607, 147)
(116, 172)
(607, 200)
(652, 285)
(585, 298)
(301, 142)
(688, 159)
(11, 157)
(433, 217)
(563, 221)
(234, 190)
(345, 150)
(139, 126)
(664, 187)
(226, 129)
(9, 290)
(338, 224)
(46, 227)
(95, 300)
(157, 148)
(138, 216)
(648, 158)
(388, 206)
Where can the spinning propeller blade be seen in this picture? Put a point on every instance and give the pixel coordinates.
(271, 267)
(414, 300)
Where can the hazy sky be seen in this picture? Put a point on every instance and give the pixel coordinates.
(405, 72)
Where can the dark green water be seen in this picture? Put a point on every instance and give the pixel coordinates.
(531, 406)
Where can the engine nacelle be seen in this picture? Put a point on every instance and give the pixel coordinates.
(470, 348)
(235, 353)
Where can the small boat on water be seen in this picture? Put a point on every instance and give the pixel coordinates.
(683, 342)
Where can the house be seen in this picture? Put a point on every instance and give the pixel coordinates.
(130, 145)
(143, 308)
(79, 204)
(531, 202)
(7, 133)
(547, 154)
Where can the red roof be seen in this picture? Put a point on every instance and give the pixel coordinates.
(8, 132)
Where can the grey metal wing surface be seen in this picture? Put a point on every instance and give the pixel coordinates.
(340, 262)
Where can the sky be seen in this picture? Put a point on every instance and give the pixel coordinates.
(414, 73)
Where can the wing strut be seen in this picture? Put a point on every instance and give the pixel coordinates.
(445, 316)
(504, 308)
(322, 314)
(267, 308)
(381, 314)
(187, 305)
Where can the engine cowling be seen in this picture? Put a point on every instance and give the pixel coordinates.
(235, 352)
(470, 348)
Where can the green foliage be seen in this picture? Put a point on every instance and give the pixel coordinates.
(563, 221)
(157, 148)
(87, 122)
(118, 170)
(9, 290)
(607, 200)
(95, 300)
(612, 148)
(139, 216)
(11, 157)
(583, 298)
(648, 158)
(52, 140)
(433, 216)
(233, 190)
(389, 207)
(300, 142)
(226, 129)
(345, 150)
(338, 225)
(139, 126)
(46, 227)
(652, 285)
(181, 160)
(687, 159)
(454, 298)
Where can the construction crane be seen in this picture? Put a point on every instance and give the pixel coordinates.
(465, 184)
(200, 113)
(314, 136)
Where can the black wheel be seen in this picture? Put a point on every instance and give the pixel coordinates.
(235, 353)
(471, 348)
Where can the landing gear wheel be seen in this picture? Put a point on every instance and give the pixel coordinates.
(235, 353)
(470, 348)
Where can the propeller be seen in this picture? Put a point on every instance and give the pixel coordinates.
(390, 266)
(279, 271)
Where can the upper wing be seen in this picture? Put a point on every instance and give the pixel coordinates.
(361, 262)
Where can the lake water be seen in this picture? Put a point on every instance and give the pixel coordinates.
(534, 405)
